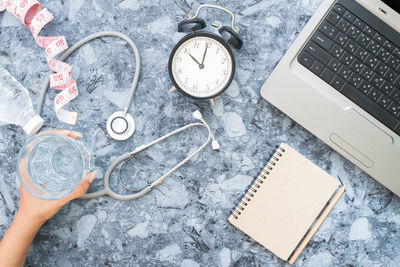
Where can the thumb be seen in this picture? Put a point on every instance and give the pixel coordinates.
(83, 186)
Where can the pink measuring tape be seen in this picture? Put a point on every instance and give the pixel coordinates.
(31, 14)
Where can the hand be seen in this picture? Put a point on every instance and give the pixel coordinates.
(38, 210)
(32, 213)
(204, 56)
(195, 60)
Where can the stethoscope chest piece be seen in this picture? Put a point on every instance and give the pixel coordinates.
(119, 126)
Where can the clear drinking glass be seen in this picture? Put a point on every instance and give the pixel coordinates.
(52, 165)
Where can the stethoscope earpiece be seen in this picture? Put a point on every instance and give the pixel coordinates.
(214, 144)
(119, 126)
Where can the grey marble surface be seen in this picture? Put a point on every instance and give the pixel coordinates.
(183, 222)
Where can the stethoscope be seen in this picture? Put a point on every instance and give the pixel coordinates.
(139, 192)
(121, 126)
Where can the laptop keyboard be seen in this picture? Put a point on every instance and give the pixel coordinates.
(360, 63)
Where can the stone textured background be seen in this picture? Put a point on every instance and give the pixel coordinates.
(183, 222)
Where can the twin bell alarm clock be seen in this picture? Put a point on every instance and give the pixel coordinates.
(201, 64)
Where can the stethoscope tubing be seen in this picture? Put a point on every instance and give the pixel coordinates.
(67, 53)
(107, 189)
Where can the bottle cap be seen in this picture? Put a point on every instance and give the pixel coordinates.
(33, 125)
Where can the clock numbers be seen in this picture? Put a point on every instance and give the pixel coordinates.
(202, 66)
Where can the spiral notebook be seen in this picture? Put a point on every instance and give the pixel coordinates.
(286, 203)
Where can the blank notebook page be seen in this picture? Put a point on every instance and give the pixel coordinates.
(287, 203)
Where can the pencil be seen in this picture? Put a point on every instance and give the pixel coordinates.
(316, 226)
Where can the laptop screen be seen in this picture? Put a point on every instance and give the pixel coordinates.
(394, 4)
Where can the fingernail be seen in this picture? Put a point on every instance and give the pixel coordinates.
(92, 176)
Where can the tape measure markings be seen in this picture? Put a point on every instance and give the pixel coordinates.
(31, 14)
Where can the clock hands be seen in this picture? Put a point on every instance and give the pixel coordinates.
(187, 70)
(201, 65)
(195, 60)
(204, 56)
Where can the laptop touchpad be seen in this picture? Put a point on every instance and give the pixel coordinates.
(368, 129)
(360, 127)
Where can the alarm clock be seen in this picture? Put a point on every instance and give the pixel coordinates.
(201, 64)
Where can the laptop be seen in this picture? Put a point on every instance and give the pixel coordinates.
(340, 80)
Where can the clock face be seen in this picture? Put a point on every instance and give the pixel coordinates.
(201, 65)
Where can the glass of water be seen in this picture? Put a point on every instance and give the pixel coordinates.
(51, 166)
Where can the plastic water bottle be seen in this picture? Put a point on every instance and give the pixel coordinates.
(16, 105)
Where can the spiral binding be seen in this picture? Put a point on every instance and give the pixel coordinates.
(263, 175)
